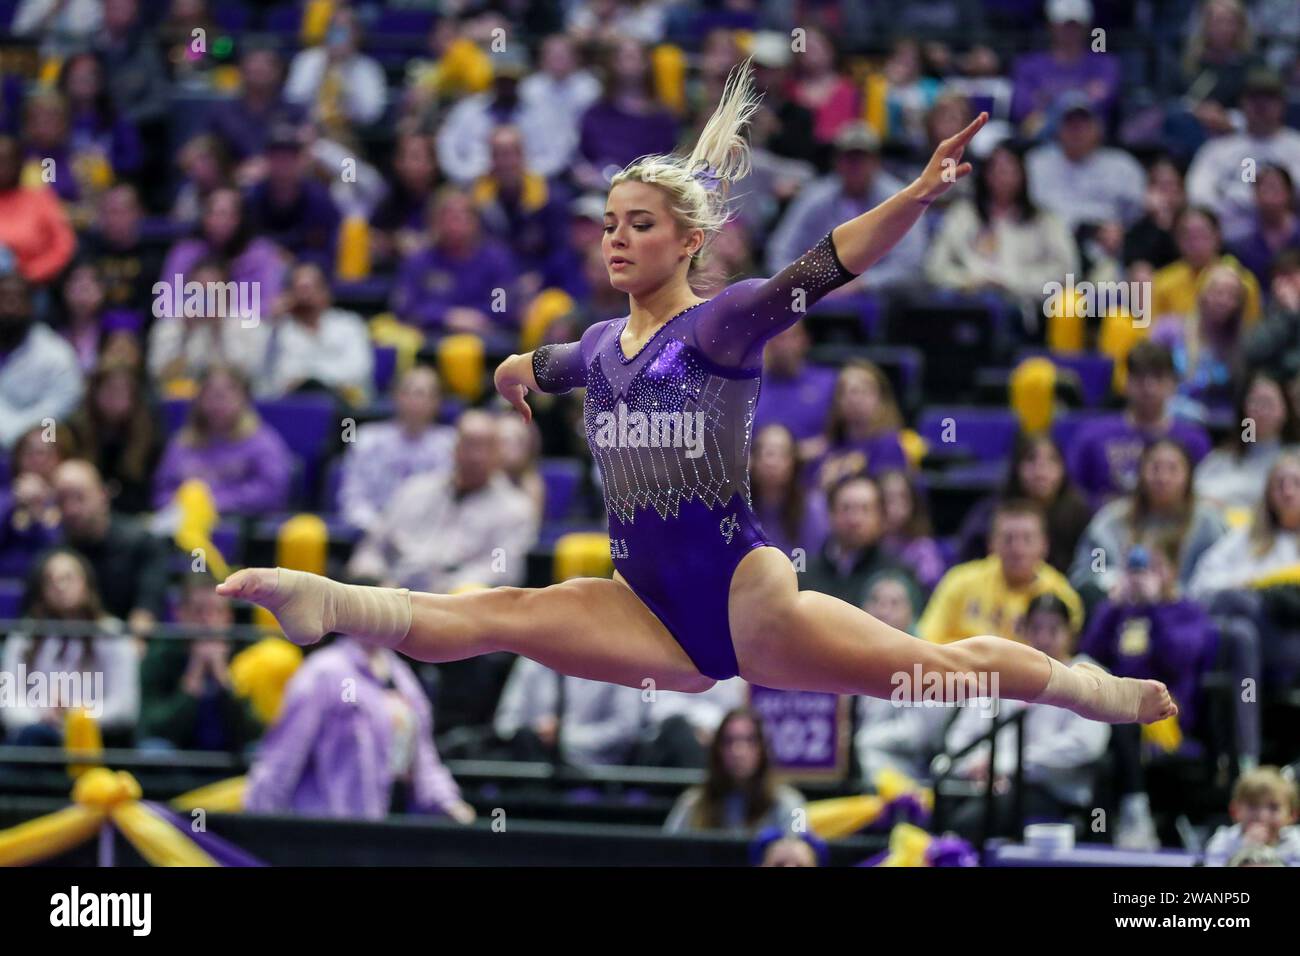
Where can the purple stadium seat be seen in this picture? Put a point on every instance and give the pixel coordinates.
(561, 477)
(11, 597)
(1095, 372)
(385, 366)
(986, 433)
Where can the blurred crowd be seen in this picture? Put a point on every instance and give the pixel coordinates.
(384, 198)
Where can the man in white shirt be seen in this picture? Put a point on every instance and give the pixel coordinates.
(1078, 178)
(314, 342)
(342, 73)
(446, 530)
(1222, 174)
(387, 453)
(39, 375)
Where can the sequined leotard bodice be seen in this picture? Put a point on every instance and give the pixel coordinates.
(670, 429)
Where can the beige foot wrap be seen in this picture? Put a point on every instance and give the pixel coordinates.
(309, 606)
(1090, 692)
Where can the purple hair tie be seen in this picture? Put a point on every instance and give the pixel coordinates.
(708, 177)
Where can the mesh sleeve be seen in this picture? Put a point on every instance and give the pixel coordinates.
(751, 312)
(559, 368)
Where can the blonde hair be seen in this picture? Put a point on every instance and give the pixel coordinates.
(697, 185)
(1260, 784)
(1266, 525)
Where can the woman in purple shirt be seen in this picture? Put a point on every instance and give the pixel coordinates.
(699, 594)
(354, 739)
(861, 429)
(225, 444)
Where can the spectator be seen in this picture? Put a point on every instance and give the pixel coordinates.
(315, 345)
(1067, 66)
(1215, 63)
(1106, 451)
(1058, 753)
(1149, 243)
(444, 530)
(853, 551)
(889, 736)
(1147, 628)
(521, 446)
(771, 849)
(364, 753)
(1264, 808)
(98, 133)
(397, 225)
(521, 208)
(561, 81)
(46, 145)
(1275, 343)
(626, 122)
(1079, 179)
(857, 184)
(225, 444)
(30, 521)
(130, 564)
(244, 124)
(462, 282)
(1162, 503)
(137, 80)
(1000, 241)
(795, 392)
(793, 518)
(818, 86)
(338, 84)
(598, 726)
(81, 318)
(290, 207)
(189, 703)
(1235, 474)
(909, 536)
(62, 26)
(1037, 473)
(226, 233)
(1207, 348)
(61, 590)
(207, 166)
(39, 377)
(1276, 227)
(128, 264)
(33, 225)
(1174, 289)
(740, 794)
(387, 453)
(990, 596)
(861, 428)
(183, 347)
(605, 21)
(118, 432)
(1215, 178)
(462, 140)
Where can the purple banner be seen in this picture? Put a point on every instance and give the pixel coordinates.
(807, 732)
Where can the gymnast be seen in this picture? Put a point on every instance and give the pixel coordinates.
(698, 594)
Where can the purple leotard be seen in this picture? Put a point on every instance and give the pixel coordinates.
(670, 428)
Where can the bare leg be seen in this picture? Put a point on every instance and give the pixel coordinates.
(804, 640)
(594, 628)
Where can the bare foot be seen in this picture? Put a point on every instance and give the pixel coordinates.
(300, 613)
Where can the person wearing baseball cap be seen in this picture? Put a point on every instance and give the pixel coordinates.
(856, 185)
(1068, 65)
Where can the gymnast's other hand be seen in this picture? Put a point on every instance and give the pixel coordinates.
(945, 166)
(513, 378)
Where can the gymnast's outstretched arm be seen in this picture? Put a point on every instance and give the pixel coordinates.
(754, 310)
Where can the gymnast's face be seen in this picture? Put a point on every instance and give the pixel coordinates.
(643, 246)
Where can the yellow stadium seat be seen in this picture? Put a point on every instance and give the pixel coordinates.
(583, 554)
(1033, 394)
(461, 364)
